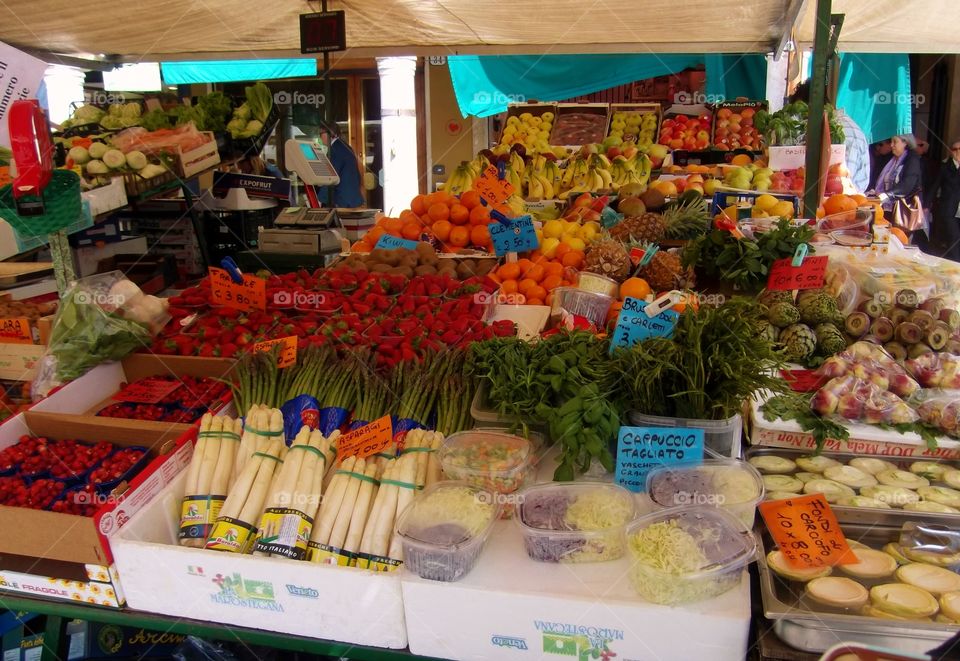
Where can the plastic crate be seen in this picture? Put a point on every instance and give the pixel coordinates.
(138, 187)
(745, 200)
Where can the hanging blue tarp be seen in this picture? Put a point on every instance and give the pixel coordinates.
(485, 84)
(733, 75)
(228, 71)
(874, 90)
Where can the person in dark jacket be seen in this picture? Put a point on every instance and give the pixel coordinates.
(901, 179)
(347, 193)
(943, 198)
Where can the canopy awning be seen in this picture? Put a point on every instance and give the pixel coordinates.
(245, 29)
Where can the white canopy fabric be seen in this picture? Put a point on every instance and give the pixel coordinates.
(184, 29)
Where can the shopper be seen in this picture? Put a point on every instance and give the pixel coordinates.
(943, 198)
(900, 179)
(346, 194)
(880, 155)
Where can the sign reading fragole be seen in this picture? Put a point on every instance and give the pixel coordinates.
(784, 276)
(641, 449)
(20, 78)
(251, 295)
(806, 531)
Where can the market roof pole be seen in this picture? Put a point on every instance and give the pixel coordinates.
(815, 124)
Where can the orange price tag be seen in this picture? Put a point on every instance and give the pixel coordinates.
(806, 531)
(491, 188)
(251, 295)
(367, 440)
(288, 350)
(15, 331)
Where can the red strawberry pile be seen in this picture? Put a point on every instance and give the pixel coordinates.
(82, 501)
(39, 494)
(66, 459)
(116, 466)
(191, 398)
(11, 457)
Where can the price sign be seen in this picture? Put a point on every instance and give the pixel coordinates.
(146, 391)
(15, 331)
(807, 532)
(784, 276)
(251, 295)
(367, 440)
(388, 242)
(519, 235)
(634, 325)
(491, 187)
(288, 350)
(803, 380)
(641, 449)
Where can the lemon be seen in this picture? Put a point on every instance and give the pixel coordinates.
(553, 229)
(571, 228)
(783, 209)
(588, 233)
(576, 244)
(766, 202)
(757, 212)
(549, 247)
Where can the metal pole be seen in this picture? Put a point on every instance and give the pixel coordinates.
(815, 127)
(327, 85)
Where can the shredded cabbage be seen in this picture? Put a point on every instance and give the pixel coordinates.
(454, 505)
(596, 510)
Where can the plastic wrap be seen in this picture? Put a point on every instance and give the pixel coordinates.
(858, 400)
(935, 370)
(940, 409)
(869, 362)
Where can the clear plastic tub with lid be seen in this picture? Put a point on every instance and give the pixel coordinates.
(731, 484)
(575, 521)
(444, 530)
(687, 554)
(490, 460)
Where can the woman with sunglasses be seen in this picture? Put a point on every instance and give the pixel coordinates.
(944, 199)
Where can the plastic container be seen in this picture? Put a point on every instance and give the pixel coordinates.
(721, 436)
(590, 305)
(858, 220)
(490, 460)
(547, 517)
(706, 561)
(600, 284)
(444, 529)
(731, 484)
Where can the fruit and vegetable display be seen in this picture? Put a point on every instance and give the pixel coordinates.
(788, 126)
(690, 132)
(578, 128)
(638, 126)
(734, 128)
(187, 398)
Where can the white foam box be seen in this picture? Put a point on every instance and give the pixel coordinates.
(276, 594)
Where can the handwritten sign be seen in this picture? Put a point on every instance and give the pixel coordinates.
(784, 276)
(288, 350)
(251, 295)
(388, 242)
(633, 324)
(146, 391)
(641, 449)
(806, 531)
(367, 440)
(15, 331)
(803, 380)
(519, 235)
(491, 188)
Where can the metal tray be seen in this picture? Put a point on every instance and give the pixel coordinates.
(865, 515)
(817, 631)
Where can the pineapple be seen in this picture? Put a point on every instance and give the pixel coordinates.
(664, 272)
(608, 257)
(679, 221)
(648, 227)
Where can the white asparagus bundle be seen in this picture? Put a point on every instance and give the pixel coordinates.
(285, 480)
(338, 534)
(248, 440)
(190, 487)
(332, 500)
(434, 472)
(361, 509)
(379, 505)
(224, 475)
(391, 499)
(404, 498)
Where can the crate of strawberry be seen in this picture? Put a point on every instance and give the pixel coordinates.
(121, 465)
(81, 500)
(37, 495)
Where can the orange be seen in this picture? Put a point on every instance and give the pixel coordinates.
(549, 299)
(470, 199)
(438, 211)
(536, 272)
(634, 288)
(361, 246)
(536, 256)
(438, 197)
(419, 205)
(412, 230)
(508, 287)
(741, 159)
(374, 234)
(551, 282)
(406, 216)
(459, 214)
(525, 285)
(839, 204)
(537, 292)
(553, 268)
(509, 271)
(480, 236)
(459, 236)
(394, 225)
(534, 301)
(861, 200)
(573, 258)
(479, 216)
(900, 234)
(614, 311)
(441, 229)
(426, 220)
(562, 250)
(524, 265)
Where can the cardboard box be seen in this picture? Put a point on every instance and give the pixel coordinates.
(62, 556)
(517, 109)
(510, 606)
(276, 594)
(18, 361)
(655, 108)
(78, 401)
(560, 132)
(791, 158)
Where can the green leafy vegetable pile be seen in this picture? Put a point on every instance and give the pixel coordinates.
(788, 126)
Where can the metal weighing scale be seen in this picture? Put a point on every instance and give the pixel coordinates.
(309, 230)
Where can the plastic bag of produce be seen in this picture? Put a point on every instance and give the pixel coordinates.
(858, 400)
(940, 409)
(870, 363)
(935, 370)
(102, 317)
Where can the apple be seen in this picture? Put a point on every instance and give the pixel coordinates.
(613, 152)
(703, 135)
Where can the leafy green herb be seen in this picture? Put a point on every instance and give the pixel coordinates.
(796, 406)
(788, 126)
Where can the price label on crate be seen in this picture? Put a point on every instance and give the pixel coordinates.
(806, 531)
(519, 235)
(388, 242)
(635, 325)
(784, 276)
(15, 331)
(288, 350)
(250, 295)
(147, 391)
(491, 187)
(367, 440)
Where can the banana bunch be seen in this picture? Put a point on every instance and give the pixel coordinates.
(587, 173)
(464, 175)
(517, 206)
(630, 171)
(538, 180)
(513, 175)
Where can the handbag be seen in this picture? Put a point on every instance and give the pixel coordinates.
(908, 216)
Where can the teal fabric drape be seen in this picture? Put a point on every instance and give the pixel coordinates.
(733, 75)
(874, 90)
(485, 84)
(227, 71)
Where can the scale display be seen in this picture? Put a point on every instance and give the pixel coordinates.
(323, 32)
(311, 165)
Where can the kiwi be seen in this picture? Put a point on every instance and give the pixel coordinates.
(425, 269)
(381, 268)
(896, 350)
(484, 266)
(921, 318)
(653, 199)
(883, 329)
